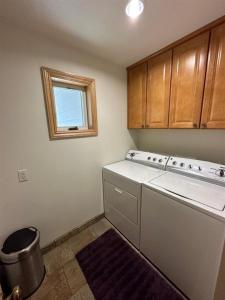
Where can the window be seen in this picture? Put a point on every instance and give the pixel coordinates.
(70, 104)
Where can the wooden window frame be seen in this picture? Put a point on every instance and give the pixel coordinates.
(49, 77)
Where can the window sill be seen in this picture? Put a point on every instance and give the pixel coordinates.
(73, 134)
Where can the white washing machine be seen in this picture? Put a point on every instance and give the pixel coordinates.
(183, 225)
(122, 190)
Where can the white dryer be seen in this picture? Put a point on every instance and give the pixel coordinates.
(183, 225)
(122, 190)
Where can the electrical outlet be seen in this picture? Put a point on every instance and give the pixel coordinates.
(22, 175)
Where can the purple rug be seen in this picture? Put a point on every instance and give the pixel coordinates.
(114, 271)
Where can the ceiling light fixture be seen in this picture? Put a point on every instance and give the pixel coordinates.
(134, 8)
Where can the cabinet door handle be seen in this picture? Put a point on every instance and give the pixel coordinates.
(195, 125)
(204, 125)
(142, 126)
(118, 190)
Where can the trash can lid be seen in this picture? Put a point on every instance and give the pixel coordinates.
(19, 240)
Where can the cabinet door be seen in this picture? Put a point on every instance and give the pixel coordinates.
(188, 76)
(137, 80)
(158, 90)
(213, 114)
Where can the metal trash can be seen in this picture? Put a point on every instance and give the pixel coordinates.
(21, 262)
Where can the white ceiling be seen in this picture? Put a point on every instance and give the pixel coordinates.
(102, 28)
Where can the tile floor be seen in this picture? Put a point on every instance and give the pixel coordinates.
(64, 279)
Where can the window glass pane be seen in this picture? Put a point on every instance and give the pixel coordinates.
(70, 107)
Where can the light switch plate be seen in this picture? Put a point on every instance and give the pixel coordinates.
(22, 175)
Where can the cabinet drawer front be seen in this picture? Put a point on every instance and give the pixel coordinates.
(188, 75)
(124, 202)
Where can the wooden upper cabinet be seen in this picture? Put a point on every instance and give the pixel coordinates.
(188, 76)
(158, 90)
(137, 81)
(213, 114)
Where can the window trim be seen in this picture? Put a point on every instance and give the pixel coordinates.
(51, 76)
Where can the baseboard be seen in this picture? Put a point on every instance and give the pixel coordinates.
(58, 241)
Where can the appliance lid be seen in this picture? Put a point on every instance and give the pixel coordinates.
(205, 193)
(134, 171)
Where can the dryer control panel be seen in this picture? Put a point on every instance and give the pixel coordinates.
(205, 170)
(148, 158)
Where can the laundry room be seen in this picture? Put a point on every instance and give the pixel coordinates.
(112, 152)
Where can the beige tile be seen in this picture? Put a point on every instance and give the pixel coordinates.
(65, 253)
(64, 276)
(61, 292)
(83, 294)
(86, 293)
(74, 276)
(80, 240)
(100, 227)
(77, 296)
(51, 261)
(57, 289)
(107, 223)
(56, 258)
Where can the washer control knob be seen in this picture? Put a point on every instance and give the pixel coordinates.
(190, 167)
(132, 154)
(182, 164)
(222, 172)
(199, 168)
(174, 163)
(154, 159)
(149, 158)
(160, 160)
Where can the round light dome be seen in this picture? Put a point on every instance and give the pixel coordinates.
(134, 8)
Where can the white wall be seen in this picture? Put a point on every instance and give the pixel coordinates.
(202, 144)
(64, 189)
